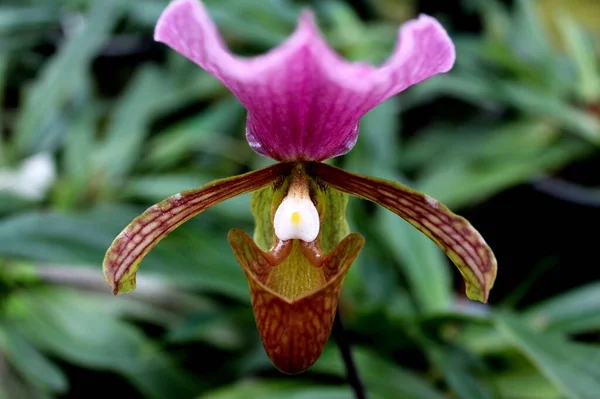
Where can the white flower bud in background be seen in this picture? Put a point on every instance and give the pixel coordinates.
(32, 179)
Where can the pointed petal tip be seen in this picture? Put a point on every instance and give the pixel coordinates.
(129, 248)
(463, 244)
(307, 18)
(482, 293)
(121, 281)
(307, 21)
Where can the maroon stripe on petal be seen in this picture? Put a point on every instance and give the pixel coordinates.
(452, 233)
(294, 331)
(144, 232)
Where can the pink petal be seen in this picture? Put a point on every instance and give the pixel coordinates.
(303, 100)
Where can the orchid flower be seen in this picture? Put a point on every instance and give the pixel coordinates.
(304, 104)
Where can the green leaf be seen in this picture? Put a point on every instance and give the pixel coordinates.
(155, 303)
(129, 124)
(52, 237)
(196, 256)
(379, 140)
(153, 188)
(31, 364)
(218, 327)
(573, 367)
(15, 19)
(380, 376)
(204, 132)
(531, 101)
(265, 24)
(277, 389)
(575, 311)
(462, 372)
(74, 332)
(524, 384)
(61, 78)
(495, 17)
(4, 59)
(470, 87)
(445, 144)
(584, 57)
(540, 104)
(12, 203)
(461, 181)
(352, 38)
(421, 261)
(13, 386)
(79, 144)
(528, 37)
(483, 340)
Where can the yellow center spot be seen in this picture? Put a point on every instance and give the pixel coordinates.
(295, 218)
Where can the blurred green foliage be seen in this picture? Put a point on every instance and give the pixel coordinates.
(116, 123)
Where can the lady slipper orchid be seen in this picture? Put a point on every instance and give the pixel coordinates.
(304, 104)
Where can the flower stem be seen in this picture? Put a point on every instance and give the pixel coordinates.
(341, 339)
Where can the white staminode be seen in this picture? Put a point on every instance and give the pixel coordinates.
(296, 218)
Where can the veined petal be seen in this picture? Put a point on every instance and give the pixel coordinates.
(129, 248)
(452, 233)
(294, 331)
(304, 101)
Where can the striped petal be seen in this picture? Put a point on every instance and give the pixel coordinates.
(294, 312)
(452, 233)
(129, 248)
